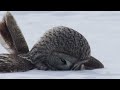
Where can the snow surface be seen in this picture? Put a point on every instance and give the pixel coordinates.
(101, 29)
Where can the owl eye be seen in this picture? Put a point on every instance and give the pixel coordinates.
(64, 62)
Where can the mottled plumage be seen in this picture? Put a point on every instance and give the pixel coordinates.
(60, 48)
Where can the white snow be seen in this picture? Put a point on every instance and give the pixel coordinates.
(101, 29)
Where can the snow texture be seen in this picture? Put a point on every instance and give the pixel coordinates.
(101, 29)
